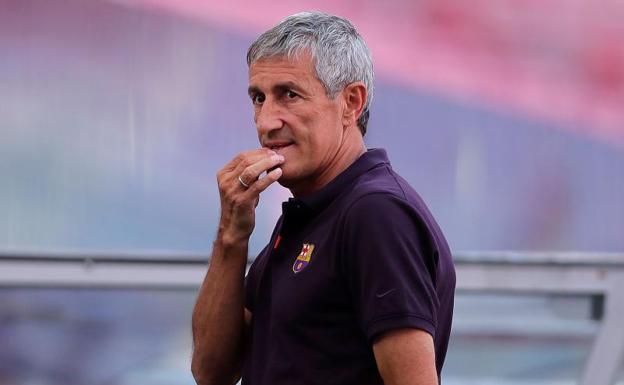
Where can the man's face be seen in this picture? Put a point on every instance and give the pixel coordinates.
(294, 117)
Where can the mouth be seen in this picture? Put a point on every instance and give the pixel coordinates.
(278, 146)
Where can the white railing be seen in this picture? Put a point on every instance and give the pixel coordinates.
(596, 274)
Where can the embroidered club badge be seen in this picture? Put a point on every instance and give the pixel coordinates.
(303, 259)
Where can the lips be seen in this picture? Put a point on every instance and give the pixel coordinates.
(277, 146)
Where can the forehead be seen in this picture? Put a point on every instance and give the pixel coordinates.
(281, 69)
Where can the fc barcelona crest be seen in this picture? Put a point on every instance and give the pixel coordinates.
(304, 257)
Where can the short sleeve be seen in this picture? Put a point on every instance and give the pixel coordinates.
(389, 265)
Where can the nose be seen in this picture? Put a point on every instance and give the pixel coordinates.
(268, 117)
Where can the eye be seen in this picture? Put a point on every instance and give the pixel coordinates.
(291, 94)
(257, 99)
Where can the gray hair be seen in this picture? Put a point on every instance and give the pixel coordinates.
(340, 54)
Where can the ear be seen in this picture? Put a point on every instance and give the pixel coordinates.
(354, 97)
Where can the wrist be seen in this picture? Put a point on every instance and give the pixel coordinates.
(232, 239)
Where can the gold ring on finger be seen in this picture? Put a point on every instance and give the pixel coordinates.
(245, 185)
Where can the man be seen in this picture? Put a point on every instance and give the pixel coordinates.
(356, 283)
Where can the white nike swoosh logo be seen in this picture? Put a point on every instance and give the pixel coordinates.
(381, 295)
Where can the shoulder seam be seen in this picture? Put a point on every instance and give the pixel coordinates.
(368, 194)
(396, 181)
(388, 170)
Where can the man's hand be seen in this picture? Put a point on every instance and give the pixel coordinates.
(238, 202)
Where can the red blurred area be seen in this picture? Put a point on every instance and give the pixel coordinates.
(558, 60)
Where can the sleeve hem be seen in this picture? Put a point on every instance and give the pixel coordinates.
(383, 324)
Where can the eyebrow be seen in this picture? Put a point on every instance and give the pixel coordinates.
(277, 87)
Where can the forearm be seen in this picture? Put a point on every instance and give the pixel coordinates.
(218, 317)
(219, 314)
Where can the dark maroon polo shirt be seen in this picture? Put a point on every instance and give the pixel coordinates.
(359, 257)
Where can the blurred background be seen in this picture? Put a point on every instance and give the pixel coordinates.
(506, 116)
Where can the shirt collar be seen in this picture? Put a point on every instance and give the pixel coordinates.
(320, 199)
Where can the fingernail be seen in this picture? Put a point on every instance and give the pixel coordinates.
(271, 152)
(276, 157)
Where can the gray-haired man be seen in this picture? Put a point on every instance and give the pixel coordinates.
(356, 283)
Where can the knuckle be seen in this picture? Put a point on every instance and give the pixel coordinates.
(221, 184)
(255, 188)
(262, 185)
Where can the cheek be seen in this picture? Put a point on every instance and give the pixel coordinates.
(316, 131)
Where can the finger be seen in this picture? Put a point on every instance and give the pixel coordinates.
(261, 184)
(250, 156)
(228, 175)
(249, 159)
(251, 173)
(233, 182)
